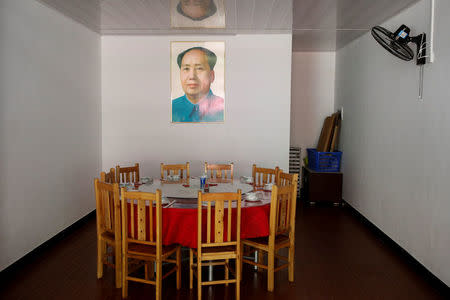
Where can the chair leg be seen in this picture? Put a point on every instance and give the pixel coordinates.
(105, 251)
(226, 271)
(158, 279)
(118, 263)
(238, 276)
(149, 270)
(146, 271)
(260, 259)
(270, 270)
(291, 262)
(151, 266)
(240, 261)
(191, 265)
(199, 278)
(124, 276)
(100, 246)
(178, 268)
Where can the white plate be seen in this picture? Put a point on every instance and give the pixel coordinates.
(253, 200)
(251, 197)
(146, 180)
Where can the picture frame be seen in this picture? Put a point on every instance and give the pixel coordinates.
(194, 14)
(197, 86)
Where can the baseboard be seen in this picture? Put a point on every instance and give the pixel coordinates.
(19, 264)
(434, 281)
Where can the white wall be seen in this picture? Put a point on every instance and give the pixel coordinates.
(312, 96)
(136, 105)
(49, 125)
(396, 148)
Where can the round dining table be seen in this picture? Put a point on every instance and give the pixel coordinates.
(180, 208)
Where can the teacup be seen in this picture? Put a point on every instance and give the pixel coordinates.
(268, 186)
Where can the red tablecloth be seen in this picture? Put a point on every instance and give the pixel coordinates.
(179, 225)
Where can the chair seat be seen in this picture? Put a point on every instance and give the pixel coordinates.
(108, 236)
(149, 250)
(223, 252)
(281, 241)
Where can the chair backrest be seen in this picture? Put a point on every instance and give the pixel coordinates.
(182, 170)
(282, 210)
(107, 207)
(219, 171)
(127, 174)
(138, 219)
(109, 177)
(261, 176)
(287, 179)
(218, 204)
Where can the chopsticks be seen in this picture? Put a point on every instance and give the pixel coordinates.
(170, 204)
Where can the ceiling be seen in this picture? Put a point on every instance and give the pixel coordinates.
(316, 25)
(327, 25)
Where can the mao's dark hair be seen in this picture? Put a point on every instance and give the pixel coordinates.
(211, 11)
(211, 56)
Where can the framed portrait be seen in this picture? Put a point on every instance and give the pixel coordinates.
(197, 71)
(197, 13)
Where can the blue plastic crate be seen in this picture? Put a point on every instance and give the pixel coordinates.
(324, 161)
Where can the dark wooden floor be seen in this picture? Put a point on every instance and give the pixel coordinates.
(336, 258)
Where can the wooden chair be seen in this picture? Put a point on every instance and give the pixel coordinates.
(109, 177)
(108, 227)
(282, 232)
(140, 242)
(127, 174)
(262, 176)
(219, 172)
(182, 170)
(221, 247)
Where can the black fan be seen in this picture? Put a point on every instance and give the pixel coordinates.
(397, 43)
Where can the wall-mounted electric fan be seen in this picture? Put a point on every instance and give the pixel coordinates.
(397, 44)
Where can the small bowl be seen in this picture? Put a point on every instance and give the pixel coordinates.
(145, 180)
(173, 177)
(247, 179)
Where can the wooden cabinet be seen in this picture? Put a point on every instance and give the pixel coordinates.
(322, 186)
